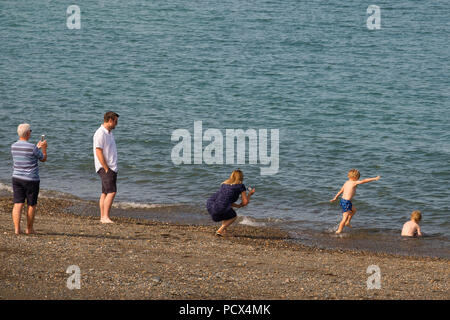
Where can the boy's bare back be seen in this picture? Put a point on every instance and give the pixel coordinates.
(349, 189)
(411, 229)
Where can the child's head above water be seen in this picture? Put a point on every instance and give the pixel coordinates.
(416, 216)
(353, 174)
(236, 177)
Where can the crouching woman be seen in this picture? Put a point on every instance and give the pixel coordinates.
(220, 205)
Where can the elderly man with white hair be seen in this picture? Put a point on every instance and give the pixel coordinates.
(25, 178)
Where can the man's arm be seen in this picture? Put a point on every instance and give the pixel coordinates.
(101, 158)
(368, 180)
(42, 145)
(338, 194)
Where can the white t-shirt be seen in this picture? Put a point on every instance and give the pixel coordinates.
(105, 140)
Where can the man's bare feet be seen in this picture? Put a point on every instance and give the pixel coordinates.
(107, 220)
(30, 231)
(348, 225)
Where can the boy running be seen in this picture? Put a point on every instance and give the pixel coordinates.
(348, 190)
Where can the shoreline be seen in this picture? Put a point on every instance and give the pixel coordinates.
(372, 241)
(144, 259)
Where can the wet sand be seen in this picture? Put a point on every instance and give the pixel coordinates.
(141, 259)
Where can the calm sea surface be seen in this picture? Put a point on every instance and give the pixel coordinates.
(341, 96)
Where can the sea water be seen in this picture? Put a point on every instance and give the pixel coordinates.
(341, 95)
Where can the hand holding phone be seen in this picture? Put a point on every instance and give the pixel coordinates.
(42, 143)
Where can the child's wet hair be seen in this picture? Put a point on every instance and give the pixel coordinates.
(416, 216)
(353, 173)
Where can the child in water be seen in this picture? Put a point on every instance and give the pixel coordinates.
(411, 228)
(220, 204)
(348, 190)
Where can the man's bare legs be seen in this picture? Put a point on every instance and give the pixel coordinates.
(31, 210)
(225, 224)
(16, 213)
(106, 201)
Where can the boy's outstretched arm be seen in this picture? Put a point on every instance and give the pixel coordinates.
(368, 180)
(338, 194)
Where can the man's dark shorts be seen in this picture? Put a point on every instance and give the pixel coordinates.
(24, 189)
(109, 180)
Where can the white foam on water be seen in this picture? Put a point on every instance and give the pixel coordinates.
(135, 205)
(332, 229)
(250, 222)
(275, 220)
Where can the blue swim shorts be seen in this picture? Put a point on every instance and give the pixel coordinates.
(346, 205)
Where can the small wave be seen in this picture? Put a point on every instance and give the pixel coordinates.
(44, 193)
(332, 229)
(4, 187)
(53, 194)
(250, 222)
(275, 220)
(342, 235)
(136, 205)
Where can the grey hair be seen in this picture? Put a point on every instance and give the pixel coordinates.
(23, 129)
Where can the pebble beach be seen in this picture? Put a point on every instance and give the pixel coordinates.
(144, 259)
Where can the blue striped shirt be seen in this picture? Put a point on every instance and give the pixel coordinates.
(25, 157)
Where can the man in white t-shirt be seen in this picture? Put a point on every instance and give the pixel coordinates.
(105, 156)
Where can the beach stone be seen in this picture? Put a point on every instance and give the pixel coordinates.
(196, 270)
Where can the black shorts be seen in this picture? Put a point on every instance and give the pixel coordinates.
(24, 189)
(109, 180)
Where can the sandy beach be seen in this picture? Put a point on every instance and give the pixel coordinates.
(139, 259)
